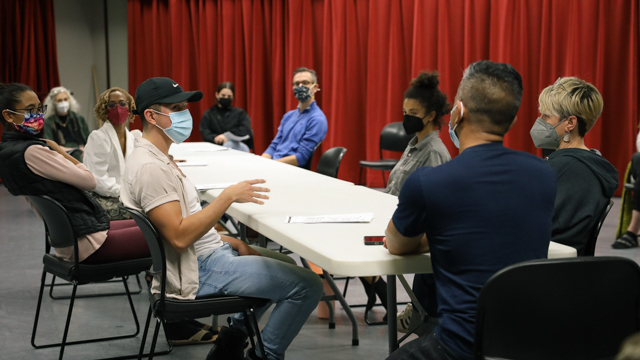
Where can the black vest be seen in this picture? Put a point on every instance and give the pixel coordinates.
(87, 216)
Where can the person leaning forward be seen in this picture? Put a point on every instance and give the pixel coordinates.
(199, 260)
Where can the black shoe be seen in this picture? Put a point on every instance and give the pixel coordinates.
(229, 345)
(251, 355)
(625, 242)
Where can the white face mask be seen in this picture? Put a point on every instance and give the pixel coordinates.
(62, 107)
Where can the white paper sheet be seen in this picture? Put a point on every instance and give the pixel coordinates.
(205, 187)
(324, 219)
(192, 163)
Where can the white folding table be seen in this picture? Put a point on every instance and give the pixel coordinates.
(337, 248)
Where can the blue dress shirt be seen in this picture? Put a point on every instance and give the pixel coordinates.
(298, 134)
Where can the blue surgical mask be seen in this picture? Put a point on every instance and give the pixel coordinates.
(181, 125)
(452, 131)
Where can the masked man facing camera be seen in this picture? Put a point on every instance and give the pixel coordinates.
(302, 129)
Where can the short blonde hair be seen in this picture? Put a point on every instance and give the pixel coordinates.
(572, 96)
(100, 111)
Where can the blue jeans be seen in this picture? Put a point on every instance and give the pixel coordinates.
(295, 291)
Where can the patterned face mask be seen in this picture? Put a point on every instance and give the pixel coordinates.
(33, 123)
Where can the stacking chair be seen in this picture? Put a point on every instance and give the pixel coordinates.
(329, 163)
(590, 247)
(579, 308)
(60, 234)
(392, 138)
(164, 308)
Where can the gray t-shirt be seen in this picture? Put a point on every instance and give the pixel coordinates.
(430, 151)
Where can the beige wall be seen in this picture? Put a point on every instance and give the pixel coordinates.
(80, 40)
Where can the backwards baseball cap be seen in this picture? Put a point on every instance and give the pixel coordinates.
(162, 90)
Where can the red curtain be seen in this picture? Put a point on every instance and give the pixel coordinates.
(28, 43)
(366, 52)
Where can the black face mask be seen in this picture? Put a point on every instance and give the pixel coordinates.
(225, 102)
(412, 124)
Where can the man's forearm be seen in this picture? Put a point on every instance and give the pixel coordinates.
(402, 245)
(291, 160)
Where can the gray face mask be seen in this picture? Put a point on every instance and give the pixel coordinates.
(544, 135)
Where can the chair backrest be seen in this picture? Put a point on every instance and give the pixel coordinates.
(394, 138)
(590, 247)
(156, 248)
(57, 224)
(308, 164)
(329, 163)
(579, 308)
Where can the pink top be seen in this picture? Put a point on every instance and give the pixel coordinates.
(51, 165)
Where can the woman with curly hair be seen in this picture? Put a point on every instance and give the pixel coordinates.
(63, 124)
(424, 106)
(108, 147)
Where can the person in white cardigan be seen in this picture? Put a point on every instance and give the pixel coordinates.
(108, 147)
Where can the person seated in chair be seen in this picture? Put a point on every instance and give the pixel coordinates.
(630, 204)
(63, 124)
(227, 125)
(109, 146)
(488, 208)
(424, 106)
(30, 165)
(586, 181)
(201, 262)
(302, 129)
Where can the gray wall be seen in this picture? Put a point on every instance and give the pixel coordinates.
(80, 40)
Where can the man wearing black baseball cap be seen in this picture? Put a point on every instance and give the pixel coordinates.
(199, 260)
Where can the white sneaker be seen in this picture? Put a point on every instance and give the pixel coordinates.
(404, 319)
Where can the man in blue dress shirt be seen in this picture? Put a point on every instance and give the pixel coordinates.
(302, 129)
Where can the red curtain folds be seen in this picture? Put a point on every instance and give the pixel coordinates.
(28, 43)
(366, 52)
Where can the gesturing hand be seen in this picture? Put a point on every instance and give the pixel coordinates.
(245, 191)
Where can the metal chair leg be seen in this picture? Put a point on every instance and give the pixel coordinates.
(35, 321)
(66, 326)
(258, 336)
(53, 284)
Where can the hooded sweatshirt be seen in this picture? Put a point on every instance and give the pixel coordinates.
(586, 182)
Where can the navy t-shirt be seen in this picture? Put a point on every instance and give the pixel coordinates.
(488, 208)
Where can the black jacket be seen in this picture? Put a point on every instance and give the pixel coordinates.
(586, 182)
(217, 120)
(87, 216)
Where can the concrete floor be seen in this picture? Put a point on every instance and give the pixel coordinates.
(22, 244)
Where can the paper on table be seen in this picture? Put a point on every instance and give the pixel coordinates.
(191, 163)
(209, 149)
(204, 187)
(342, 218)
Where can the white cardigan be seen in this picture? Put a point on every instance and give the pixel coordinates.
(103, 157)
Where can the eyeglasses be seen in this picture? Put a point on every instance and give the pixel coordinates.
(41, 109)
(303, 82)
(565, 89)
(112, 105)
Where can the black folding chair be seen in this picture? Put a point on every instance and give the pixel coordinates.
(590, 247)
(60, 234)
(392, 138)
(164, 308)
(329, 163)
(578, 308)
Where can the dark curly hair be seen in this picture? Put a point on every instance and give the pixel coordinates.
(424, 89)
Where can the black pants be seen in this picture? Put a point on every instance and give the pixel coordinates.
(635, 172)
(423, 348)
(424, 286)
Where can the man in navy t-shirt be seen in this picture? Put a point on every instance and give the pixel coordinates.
(488, 208)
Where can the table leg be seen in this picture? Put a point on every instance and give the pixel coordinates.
(336, 292)
(392, 312)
